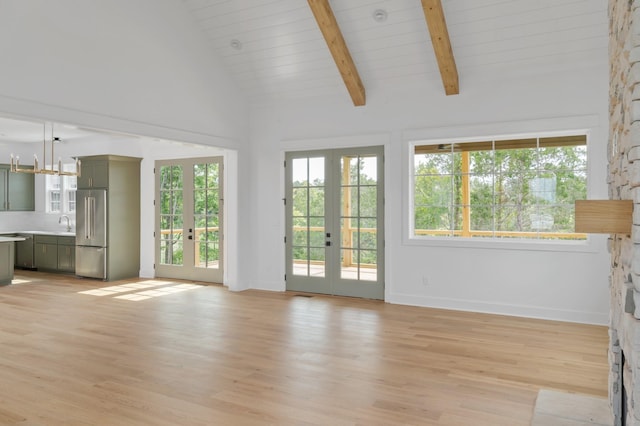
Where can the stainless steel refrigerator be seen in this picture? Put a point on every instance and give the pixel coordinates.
(91, 233)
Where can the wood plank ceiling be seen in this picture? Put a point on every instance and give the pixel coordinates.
(276, 51)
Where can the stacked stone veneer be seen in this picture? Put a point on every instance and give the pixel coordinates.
(624, 183)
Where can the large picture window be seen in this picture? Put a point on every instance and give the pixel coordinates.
(501, 188)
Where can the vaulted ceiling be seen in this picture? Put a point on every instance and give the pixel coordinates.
(276, 50)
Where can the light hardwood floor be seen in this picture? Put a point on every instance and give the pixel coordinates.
(201, 355)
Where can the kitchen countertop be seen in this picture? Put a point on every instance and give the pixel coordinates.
(10, 239)
(58, 233)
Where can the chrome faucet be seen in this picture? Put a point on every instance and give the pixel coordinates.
(68, 221)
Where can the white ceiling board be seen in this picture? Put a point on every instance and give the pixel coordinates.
(284, 55)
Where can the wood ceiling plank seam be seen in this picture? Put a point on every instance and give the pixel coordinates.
(553, 59)
(554, 9)
(338, 48)
(416, 47)
(315, 81)
(209, 5)
(307, 23)
(267, 21)
(280, 71)
(328, 78)
(471, 36)
(586, 19)
(380, 32)
(253, 8)
(267, 62)
(538, 41)
(434, 15)
(257, 45)
(257, 35)
(521, 53)
(221, 43)
(261, 59)
(315, 44)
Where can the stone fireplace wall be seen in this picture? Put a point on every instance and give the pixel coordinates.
(624, 183)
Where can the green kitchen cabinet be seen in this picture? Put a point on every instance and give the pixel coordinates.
(17, 190)
(46, 252)
(94, 173)
(66, 254)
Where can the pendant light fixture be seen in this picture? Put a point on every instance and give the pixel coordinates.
(15, 161)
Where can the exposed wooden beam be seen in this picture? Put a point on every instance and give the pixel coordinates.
(327, 22)
(434, 15)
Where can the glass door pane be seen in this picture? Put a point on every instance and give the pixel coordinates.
(358, 218)
(206, 215)
(308, 222)
(171, 215)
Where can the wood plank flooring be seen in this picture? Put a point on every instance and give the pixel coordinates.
(173, 354)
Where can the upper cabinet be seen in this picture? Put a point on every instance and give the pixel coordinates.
(17, 190)
(94, 173)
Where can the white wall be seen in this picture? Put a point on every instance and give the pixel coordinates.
(525, 280)
(139, 67)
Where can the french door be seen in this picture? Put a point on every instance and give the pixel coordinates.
(189, 219)
(334, 222)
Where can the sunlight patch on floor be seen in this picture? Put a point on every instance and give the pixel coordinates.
(21, 281)
(153, 289)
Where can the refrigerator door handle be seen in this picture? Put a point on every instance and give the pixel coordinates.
(92, 215)
(86, 219)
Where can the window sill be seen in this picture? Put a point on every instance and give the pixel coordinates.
(590, 245)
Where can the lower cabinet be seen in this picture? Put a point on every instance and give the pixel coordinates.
(24, 252)
(55, 254)
(66, 254)
(6, 267)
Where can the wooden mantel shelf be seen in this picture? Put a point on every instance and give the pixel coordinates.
(604, 216)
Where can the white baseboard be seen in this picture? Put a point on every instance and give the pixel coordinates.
(269, 286)
(147, 273)
(567, 315)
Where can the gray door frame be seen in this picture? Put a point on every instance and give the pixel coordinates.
(188, 270)
(332, 282)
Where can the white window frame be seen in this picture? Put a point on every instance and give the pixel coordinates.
(66, 188)
(512, 130)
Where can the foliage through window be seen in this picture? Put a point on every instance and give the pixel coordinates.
(515, 188)
(206, 214)
(61, 192)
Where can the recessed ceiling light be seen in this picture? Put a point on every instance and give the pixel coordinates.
(235, 44)
(379, 15)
